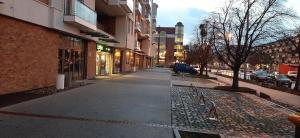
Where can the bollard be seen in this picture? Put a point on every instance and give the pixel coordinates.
(295, 119)
(202, 99)
(213, 111)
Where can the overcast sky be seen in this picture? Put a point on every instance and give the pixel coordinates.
(191, 12)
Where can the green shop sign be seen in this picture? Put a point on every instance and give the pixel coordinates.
(103, 48)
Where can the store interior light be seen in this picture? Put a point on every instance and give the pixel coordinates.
(117, 54)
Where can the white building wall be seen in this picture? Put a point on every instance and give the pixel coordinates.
(51, 16)
(28, 10)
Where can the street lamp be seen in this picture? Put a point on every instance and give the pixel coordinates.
(158, 45)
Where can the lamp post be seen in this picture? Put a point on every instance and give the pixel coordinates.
(203, 33)
(158, 45)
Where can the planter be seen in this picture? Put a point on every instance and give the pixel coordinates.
(60, 82)
(194, 134)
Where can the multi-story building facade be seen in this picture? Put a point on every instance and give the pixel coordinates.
(179, 50)
(76, 39)
(144, 28)
(166, 42)
(170, 44)
(279, 53)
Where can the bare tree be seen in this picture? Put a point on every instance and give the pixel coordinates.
(202, 51)
(242, 24)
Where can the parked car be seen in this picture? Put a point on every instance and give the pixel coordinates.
(260, 76)
(184, 68)
(280, 80)
(172, 65)
(196, 67)
(292, 74)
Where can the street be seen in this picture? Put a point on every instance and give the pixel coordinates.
(275, 94)
(133, 106)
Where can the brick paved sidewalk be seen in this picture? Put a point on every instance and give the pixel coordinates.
(238, 115)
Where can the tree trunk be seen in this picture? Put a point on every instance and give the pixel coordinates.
(201, 70)
(235, 80)
(297, 80)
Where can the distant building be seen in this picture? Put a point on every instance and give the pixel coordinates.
(170, 44)
(281, 53)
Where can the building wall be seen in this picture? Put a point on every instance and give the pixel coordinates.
(23, 9)
(280, 53)
(29, 56)
(90, 3)
(121, 31)
(44, 1)
(91, 59)
(170, 43)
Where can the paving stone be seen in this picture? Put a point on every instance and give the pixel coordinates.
(239, 116)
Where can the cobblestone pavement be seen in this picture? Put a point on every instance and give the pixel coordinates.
(185, 77)
(238, 115)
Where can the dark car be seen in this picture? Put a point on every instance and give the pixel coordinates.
(280, 80)
(184, 68)
(260, 76)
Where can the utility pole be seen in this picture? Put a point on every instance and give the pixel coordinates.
(158, 43)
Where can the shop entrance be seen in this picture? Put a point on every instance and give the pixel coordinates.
(103, 60)
(103, 63)
(72, 60)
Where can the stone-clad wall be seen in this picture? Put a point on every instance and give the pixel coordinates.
(28, 56)
(91, 60)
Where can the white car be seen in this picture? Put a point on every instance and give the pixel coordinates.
(196, 67)
(292, 74)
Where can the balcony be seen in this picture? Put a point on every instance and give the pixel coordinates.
(147, 17)
(138, 8)
(125, 6)
(147, 3)
(138, 27)
(144, 33)
(80, 15)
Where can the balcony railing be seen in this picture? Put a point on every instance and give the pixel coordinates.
(138, 26)
(138, 8)
(128, 4)
(80, 10)
(147, 3)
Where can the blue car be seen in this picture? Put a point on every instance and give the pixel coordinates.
(184, 68)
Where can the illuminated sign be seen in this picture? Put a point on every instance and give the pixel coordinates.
(102, 48)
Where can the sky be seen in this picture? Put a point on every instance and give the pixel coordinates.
(191, 12)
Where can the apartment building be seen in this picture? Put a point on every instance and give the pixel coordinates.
(279, 53)
(43, 40)
(170, 44)
(144, 28)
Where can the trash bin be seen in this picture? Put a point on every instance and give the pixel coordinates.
(60, 81)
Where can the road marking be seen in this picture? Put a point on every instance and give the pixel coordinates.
(120, 122)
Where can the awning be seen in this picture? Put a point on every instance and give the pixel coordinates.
(95, 34)
(111, 40)
(140, 52)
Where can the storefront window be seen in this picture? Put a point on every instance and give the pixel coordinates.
(117, 61)
(72, 59)
(103, 60)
